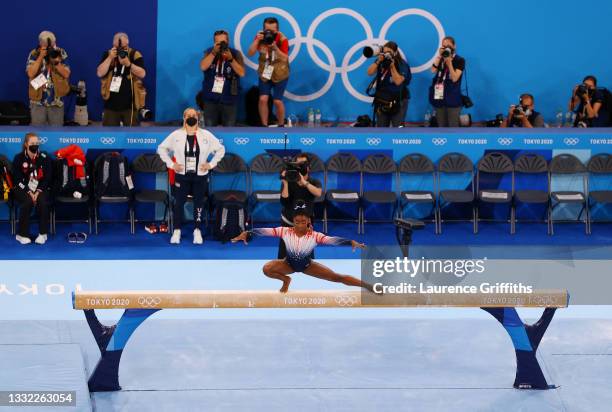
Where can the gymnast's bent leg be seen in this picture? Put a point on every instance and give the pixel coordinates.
(279, 269)
(323, 272)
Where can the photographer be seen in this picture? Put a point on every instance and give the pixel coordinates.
(587, 102)
(523, 114)
(445, 91)
(187, 152)
(273, 69)
(392, 79)
(223, 67)
(297, 188)
(48, 81)
(32, 178)
(121, 71)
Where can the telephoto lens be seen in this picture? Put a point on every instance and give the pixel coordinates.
(447, 52)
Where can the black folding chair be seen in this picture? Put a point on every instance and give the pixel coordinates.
(410, 168)
(264, 174)
(338, 165)
(151, 163)
(495, 164)
(598, 167)
(377, 165)
(531, 164)
(455, 164)
(568, 166)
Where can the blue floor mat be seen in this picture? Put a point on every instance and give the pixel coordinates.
(115, 242)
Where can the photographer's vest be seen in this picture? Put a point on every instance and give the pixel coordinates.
(60, 83)
(281, 67)
(139, 92)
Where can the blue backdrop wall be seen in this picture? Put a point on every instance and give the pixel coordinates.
(509, 49)
(85, 29)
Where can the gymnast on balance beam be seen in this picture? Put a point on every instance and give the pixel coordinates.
(300, 240)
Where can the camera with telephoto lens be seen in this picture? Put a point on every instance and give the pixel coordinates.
(293, 170)
(447, 52)
(518, 110)
(374, 50)
(121, 52)
(223, 47)
(51, 52)
(581, 90)
(268, 37)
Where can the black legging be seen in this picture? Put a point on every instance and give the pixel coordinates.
(189, 184)
(25, 210)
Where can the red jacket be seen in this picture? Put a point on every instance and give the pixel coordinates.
(72, 153)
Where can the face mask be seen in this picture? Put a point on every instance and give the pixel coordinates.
(33, 148)
(191, 121)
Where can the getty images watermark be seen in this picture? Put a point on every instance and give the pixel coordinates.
(436, 276)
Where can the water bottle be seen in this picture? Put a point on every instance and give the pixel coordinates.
(427, 121)
(569, 122)
(559, 118)
(318, 118)
(311, 117)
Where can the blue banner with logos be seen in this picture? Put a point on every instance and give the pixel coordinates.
(248, 142)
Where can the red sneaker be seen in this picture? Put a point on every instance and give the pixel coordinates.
(163, 227)
(151, 228)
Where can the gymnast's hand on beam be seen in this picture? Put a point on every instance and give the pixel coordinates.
(355, 245)
(243, 236)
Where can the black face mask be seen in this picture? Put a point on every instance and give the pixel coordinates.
(191, 121)
(33, 148)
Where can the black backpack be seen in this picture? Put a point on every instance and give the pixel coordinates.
(66, 182)
(231, 220)
(112, 176)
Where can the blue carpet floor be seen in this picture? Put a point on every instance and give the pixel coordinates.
(115, 242)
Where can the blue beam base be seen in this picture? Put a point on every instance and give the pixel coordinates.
(111, 341)
(526, 339)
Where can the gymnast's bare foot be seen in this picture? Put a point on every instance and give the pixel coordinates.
(285, 287)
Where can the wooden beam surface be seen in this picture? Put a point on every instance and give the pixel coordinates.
(177, 299)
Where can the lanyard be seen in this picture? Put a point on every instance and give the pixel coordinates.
(220, 64)
(195, 145)
(32, 166)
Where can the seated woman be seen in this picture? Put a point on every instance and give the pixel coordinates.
(32, 179)
(300, 241)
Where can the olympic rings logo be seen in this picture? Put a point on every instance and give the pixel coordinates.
(148, 301)
(107, 140)
(571, 141)
(346, 300)
(373, 141)
(241, 140)
(439, 141)
(345, 68)
(43, 139)
(308, 141)
(505, 141)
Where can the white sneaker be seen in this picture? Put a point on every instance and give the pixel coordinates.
(197, 237)
(41, 239)
(23, 240)
(176, 237)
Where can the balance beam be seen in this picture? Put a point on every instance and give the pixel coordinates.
(139, 305)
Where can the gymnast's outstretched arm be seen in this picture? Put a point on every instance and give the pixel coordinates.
(246, 236)
(323, 239)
